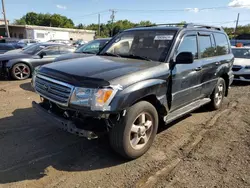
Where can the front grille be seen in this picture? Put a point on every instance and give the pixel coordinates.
(246, 76)
(53, 90)
(236, 68)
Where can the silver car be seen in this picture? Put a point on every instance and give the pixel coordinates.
(241, 67)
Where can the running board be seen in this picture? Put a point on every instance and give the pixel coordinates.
(185, 110)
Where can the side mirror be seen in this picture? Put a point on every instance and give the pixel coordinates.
(42, 54)
(184, 58)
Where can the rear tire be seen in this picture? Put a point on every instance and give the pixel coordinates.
(20, 71)
(135, 133)
(218, 94)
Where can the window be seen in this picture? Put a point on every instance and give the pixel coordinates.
(206, 48)
(20, 36)
(65, 49)
(189, 44)
(241, 53)
(92, 47)
(221, 41)
(141, 44)
(52, 50)
(40, 35)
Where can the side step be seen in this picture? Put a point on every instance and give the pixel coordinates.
(185, 110)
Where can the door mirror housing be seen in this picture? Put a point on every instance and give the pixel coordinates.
(184, 58)
(42, 54)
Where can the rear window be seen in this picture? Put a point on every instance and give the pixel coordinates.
(222, 46)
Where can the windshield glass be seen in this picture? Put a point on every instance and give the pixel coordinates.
(241, 53)
(92, 47)
(148, 45)
(33, 49)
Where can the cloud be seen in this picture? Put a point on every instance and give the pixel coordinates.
(240, 3)
(192, 10)
(61, 7)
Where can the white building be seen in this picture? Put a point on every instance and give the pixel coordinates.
(44, 34)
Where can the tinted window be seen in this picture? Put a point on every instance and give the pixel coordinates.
(65, 49)
(206, 48)
(221, 44)
(6, 47)
(189, 44)
(241, 53)
(34, 49)
(52, 50)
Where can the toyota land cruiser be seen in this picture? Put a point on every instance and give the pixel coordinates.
(143, 76)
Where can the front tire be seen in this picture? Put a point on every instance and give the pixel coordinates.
(20, 71)
(218, 94)
(135, 133)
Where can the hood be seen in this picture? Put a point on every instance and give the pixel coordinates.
(242, 61)
(98, 70)
(10, 56)
(72, 56)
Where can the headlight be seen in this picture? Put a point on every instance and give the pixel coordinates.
(96, 99)
(33, 80)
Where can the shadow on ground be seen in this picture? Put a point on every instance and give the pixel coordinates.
(27, 87)
(29, 145)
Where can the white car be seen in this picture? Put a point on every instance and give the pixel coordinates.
(241, 67)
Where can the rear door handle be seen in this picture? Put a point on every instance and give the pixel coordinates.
(198, 69)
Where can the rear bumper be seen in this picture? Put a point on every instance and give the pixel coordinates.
(62, 123)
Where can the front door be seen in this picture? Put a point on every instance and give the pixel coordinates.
(186, 77)
(50, 53)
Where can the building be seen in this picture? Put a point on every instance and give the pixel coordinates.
(44, 34)
(2, 22)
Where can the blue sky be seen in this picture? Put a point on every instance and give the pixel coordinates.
(78, 10)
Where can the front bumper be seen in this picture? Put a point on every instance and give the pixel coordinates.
(242, 75)
(62, 122)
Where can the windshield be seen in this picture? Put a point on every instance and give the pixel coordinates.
(148, 45)
(241, 53)
(92, 47)
(33, 49)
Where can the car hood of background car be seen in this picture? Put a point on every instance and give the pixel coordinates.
(72, 56)
(95, 70)
(242, 61)
(10, 56)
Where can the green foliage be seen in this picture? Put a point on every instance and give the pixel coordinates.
(240, 30)
(52, 20)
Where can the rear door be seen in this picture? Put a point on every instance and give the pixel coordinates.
(186, 77)
(208, 59)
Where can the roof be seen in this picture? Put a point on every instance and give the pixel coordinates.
(51, 28)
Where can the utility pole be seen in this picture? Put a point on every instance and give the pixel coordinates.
(99, 24)
(112, 17)
(236, 27)
(5, 20)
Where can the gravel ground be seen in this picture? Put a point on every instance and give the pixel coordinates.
(203, 149)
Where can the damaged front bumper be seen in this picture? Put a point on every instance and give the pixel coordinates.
(63, 123)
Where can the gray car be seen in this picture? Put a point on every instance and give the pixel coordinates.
(21, 65)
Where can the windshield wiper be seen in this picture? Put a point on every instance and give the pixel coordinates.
(137, 57)
(110, 54)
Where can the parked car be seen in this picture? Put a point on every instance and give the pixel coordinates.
(89, 49)
(162, 76)
(21, 65)
(61, 41)
(5, 47)
(79, 43)
(19, 49)
(241, 67)
(25, 42)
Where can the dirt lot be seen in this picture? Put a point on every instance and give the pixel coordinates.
(205, 149)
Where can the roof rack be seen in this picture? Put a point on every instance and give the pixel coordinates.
(186, 25)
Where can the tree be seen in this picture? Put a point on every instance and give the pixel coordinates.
(54, 20)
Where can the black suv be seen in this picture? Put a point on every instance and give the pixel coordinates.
(143, 76)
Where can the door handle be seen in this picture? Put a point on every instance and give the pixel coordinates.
(218, 63)
(198, 69)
